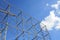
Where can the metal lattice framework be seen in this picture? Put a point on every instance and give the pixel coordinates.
(20, 27)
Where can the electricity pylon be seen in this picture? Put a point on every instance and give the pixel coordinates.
(23, 26)
(4, 23)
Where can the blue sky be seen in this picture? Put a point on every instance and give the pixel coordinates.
(37, 9)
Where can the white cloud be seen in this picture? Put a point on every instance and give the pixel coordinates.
(47, 4)
(56, 6)
(53, 20)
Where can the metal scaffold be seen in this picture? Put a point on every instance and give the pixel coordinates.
(20, 26)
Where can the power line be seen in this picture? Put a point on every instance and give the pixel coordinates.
(24, 27)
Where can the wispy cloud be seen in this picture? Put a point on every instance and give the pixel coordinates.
(53, 20)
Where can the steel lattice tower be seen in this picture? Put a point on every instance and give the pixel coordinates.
(21, 26)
